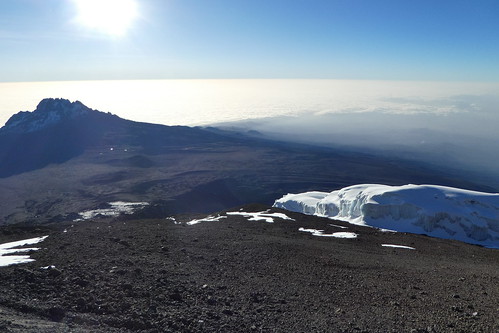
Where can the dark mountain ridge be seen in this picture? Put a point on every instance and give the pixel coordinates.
(59, 130)
(49, 111)
(64, 158)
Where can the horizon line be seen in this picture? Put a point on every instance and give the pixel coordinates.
(259, 79)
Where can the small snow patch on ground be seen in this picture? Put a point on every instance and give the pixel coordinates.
(48, 267)
(206, 219)
(321, 233)
(338, 226)
(398, 246)
(262, 216)
(171, 218)
(314, 232)
(116, 208)
(344, 235)
(9, 248)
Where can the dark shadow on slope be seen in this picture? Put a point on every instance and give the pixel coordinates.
(211, 197)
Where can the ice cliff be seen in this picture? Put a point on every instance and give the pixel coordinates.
(437, 211)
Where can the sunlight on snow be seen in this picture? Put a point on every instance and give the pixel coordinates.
(206, 219)
(398, 246)
(320, 233)
(8, 248)
(262, 216)
(116, 208)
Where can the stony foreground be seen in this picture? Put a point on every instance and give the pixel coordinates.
(235, 275)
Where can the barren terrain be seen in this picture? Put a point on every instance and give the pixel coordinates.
(235, 275)
(202, 177)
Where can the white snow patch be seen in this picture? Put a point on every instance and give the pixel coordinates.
(116, 208)
(398, 246)
(437, 211)
(315, 232)
(303, 203)
(206, 219)
(338, 226)
(320, 233)
(262, 216)
(8, 248)
(344, 235)
(27, 249)
(171, 218)
(48, 267)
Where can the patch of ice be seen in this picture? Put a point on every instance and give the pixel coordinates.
(14, 260)
(320, 233)
(437, 211)
(48, 267)
(398, 246)
(9, 248)
(344, 235)
(23, 242)
(262, 216)
(171, 218)
(116, 208)
(206, 219)
(338, 226)
(312, 231)
(303, 202)
(27, 249)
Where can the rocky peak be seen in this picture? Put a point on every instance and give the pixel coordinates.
(60, 105)
(49, 111)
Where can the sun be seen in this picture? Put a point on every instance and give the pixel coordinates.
(110, 17)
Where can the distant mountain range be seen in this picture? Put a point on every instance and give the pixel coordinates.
(64, 158)
(49, 112)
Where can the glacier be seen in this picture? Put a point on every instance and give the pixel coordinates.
(433, 210)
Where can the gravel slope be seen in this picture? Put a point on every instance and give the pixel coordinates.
(235, 275)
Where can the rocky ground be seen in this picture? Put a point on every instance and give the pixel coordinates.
(235, 275)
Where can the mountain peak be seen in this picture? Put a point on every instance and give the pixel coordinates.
(59, 105)
(49, 111)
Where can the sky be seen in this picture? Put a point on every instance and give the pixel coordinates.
(51, 40)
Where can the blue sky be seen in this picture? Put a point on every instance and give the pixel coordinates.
(338, 39)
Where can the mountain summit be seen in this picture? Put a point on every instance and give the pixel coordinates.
(49, 111)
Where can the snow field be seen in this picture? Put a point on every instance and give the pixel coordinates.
(116, 208)
(8, 248)
(321, 233)
(438, 211)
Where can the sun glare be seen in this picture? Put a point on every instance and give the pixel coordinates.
(110, 17)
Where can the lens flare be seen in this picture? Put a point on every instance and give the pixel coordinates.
(110, 17)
